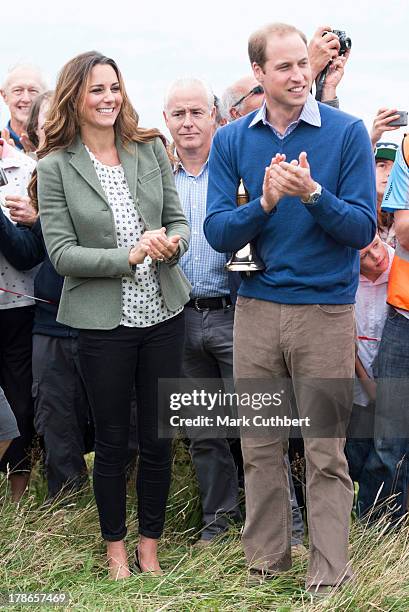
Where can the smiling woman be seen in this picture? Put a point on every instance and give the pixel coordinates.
(103, 100)
(114, 227)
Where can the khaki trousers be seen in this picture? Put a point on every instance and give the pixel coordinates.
(311, 341)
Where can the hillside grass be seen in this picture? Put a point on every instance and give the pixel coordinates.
(58, 548)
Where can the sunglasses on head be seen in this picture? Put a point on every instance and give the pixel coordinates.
(258, 89)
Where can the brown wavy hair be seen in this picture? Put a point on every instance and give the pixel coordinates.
(32, 123)
(64, 115)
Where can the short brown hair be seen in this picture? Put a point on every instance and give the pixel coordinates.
(258, 40)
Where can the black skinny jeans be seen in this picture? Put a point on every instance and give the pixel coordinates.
(112, 362)
(16, 328)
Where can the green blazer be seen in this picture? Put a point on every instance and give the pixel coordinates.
(79, 229)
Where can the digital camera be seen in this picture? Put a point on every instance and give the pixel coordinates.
(344, 41)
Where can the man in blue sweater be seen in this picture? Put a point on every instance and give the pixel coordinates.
(309, 172)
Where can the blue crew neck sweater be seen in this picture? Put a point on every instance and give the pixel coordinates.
(310, 252)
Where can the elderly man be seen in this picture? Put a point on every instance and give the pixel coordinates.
(189, 114)
(21, 85)
(309, 172)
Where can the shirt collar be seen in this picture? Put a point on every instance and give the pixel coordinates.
(10, 158)
(310, 114)
(15, 137)
(178, 166)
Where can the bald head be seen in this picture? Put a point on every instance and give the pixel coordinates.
(187, 85)
(189, 115)
(241, 89)
(27, 72)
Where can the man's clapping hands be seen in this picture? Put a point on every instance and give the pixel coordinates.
(282, 178)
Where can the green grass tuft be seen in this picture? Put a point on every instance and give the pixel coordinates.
(59, 548)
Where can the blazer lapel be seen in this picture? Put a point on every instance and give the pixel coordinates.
(81, 161)
(129, 161)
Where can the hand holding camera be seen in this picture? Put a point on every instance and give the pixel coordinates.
(387, 120)
(331, 54)
(323, 47)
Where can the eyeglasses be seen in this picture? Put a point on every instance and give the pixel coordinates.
(258, 89)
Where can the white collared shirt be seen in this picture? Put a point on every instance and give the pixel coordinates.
(310, 114)
(370, 310)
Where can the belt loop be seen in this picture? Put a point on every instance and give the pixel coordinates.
(226, 306)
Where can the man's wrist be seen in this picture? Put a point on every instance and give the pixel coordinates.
(334, 103)
(311, 188)
(268, 208)
(329, 93)
(173, 258)
(312, 196)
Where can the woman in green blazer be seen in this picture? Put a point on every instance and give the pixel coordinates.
(114, 227)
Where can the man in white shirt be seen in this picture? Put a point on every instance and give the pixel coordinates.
(369, 457)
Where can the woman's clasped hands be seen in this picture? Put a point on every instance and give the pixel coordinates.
(155, 244)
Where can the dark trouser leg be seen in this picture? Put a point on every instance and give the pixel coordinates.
(160, 356)
(297, 529)
(108, 363)
(16, 380)
(112, 363)
(385, 474)
(387, 467)
(209, 354)
(61, 411)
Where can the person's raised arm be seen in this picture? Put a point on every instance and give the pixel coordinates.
(322, 48)
(381, 123)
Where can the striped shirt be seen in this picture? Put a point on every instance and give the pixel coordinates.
(203, 266)
(310, 114)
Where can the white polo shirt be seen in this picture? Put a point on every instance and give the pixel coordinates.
(370, 311)
(18, 168)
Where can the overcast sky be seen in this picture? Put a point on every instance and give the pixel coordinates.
(155, 42)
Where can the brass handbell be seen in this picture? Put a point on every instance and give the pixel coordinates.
(246, 259)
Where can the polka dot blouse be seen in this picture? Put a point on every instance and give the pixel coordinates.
(142, 301)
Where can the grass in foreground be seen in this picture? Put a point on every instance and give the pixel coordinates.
(59, 549)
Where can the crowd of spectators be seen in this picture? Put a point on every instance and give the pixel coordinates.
(95, 311)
